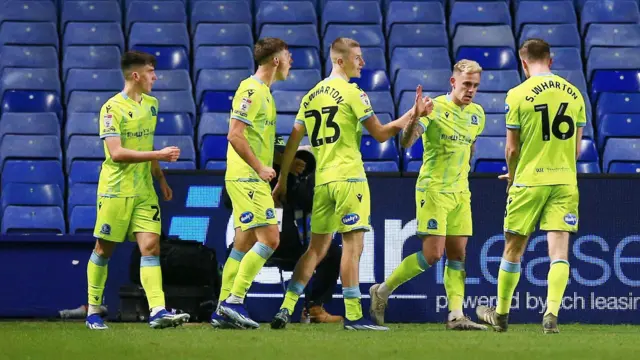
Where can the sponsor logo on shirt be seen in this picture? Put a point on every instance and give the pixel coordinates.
(365, 99)
(107, 119)
(245, 104)
(154, 112)
(571, 219)
(246, 217)
(139, 134)
(350, 219)
(506, 108)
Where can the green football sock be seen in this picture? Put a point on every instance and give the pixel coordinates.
(229, 273)
(412, 266)
(97, 270)
(454, 276)
(249, 268)
(508, 278)
(294, 290)
(556, 283)
(352, 305)
(151, 279)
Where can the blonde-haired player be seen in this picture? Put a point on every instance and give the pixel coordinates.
(333, 113)
(443, 200)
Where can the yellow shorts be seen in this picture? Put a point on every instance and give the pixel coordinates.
(252, 204)
(443, 214)
(341, 206)
(555, 206)
(119, 218)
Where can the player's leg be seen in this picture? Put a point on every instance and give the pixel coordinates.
(324, 222)
(112, 221)
(524, 206)
(145, 228)
(324, 281)
(459, 228)
(559, 218)
(431, 211)
(260, 218)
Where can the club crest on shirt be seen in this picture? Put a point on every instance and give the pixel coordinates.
(506, 108)
(107, 119)
(474, 119)
(105, 229)
(154, 112)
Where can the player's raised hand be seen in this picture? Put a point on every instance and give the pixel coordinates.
(423, 105)
(170, 153)
(266, 173)
(279, 194)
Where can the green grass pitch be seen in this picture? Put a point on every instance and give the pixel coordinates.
(71, 340)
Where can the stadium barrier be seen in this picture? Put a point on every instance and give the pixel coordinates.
(43, 274)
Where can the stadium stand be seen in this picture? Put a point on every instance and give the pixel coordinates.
(59, 62)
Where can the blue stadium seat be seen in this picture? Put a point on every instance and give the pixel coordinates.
(82, 220)
(417, 35)
(489, 154)
(317, 4)
(588, 151)
(166, 11)
(304, 58)
(304, 35)
(382, 102)
(544, 12)
(588, 167)
(492, 103)
(380, 166)
(414, 12)
(478, 13)
(614, 81)
(491, 167)
(87, 101)
(83, 148)
(32, 101)
(285, 124)
(178, 165)
(172, 80)
(223, 57)
(81, 123)
(216, 101)
(203, 12)
(613, 59)
(374, 59)
(288, 101)
(85, 172)
(499, 80)
(483, 36)
(185, 143)
(93, 80)
(495, 125)
(350, 12)
(566, 58)
(413, 157)
(372, 150)
(618, 103)
(176, 102)
(93, 34)
(29, 124)
(90, 57)
(212, 124)
(32, 147)
(608, 12)
(431, 81)
(36, 11)
(30, 79)
(576, 77)
(557, 35)
(620, 151)
(373, 80)
(90, 11)
(17, 194)
(167, 57)
(219, 80)
(174, 124)
(490, 58)
(299, 80)
(617, 126)
(366, 35)
(419, 58)
(159, 34)
(631, 167)
(32, 34)
(36, 219)
(15, 56)
(223, 34)
(214, 149)
(611, 35)
(285, 12)
(33, 172)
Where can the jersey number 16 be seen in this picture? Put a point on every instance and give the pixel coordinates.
(555, 125)
(331, 112)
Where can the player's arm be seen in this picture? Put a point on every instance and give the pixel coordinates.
(241, 145)
(297, 133)
(110, 133)
(580, 124)
(158, 174)
(512, 151)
